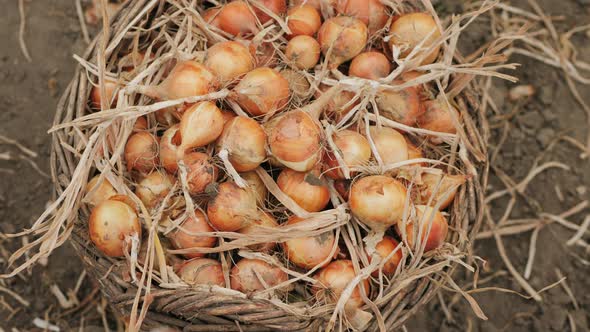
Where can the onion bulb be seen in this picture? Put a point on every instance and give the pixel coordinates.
(200, 125)
(141, 152)
(256, 185)
(303, 52)
(232, 208)
(168, 116)
(354, 149)
(384, 248)
(449, 184)
(409, 30)
(294, 137)
(377, 201)
(187, 79)
(110, 88)
(343, 37)
(264, 220)
(227, 116)
(262, 91)
(439, 117)
(98, 192)
(370, 65)
(202, 271)
(278, 7)
(390, 144)
(340, 105)
(414, 152)
(236, 19)
(152, 189)
(372, 12)
(228, 61)
(306, 189)
(246, 275)
(110, 222)
(211, 16)
(201, 172)
(245, 141)
(304, 20)
(184, 238)
(333, 279)
(298, 84)
(141, 124)
(402, 106)
(309, 252)
(170, 152)
(423, 217)
(317, 4)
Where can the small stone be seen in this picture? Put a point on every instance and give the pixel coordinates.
(581, 190)
(545, 136)
(532, 119)
(546, 94)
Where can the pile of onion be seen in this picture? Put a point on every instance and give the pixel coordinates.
(268, 152)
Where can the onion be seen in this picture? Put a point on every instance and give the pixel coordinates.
(372, 12)
(336, 107)
(306, 189)
(245, 141)
(200, 125)
(211, 16)
(124, 199)
(304, 20)
(232, 208)
(141, 152)
(246, 275)
(201, 172)
(378, 201)
(187, 79)
(170, 152)
(202, 271)
(438, 230)
(256, 185)
(298, 84)
(449, 183)
(308, 252)
(262, 91)
(439, 117)
(110, 222)
(228, 61)
(333, 279)
(354, 149)
(314, 3)
(344, 37)
(152, 189)
(227, 116)
(141, 124)
(279, 7)
(110, 88)
(402, 106)
(343, 188)
(411, 29)
(303, 52)
(370, 65)
(390, 144)
(384, 248)
(264, 220)
(294, 137)
(101, 191)
(183, 237)
(236, 19)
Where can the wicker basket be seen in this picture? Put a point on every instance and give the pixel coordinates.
(207, 310)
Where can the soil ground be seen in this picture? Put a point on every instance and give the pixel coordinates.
(29, 93)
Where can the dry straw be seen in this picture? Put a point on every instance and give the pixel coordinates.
(149, 294)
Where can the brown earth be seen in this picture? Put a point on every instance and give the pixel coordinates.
(29, 93)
